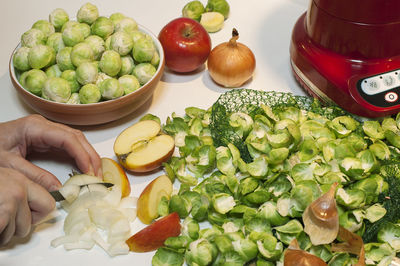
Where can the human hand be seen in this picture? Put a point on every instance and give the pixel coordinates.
(35, 133)
(22, 203)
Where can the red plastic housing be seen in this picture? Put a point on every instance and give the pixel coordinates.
(337, 43)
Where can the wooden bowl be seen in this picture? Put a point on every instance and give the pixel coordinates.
(94, 113)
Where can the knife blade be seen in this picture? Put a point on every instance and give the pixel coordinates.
(56, 194)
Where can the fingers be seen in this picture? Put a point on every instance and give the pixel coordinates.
(33, 172)
(40, 202)
(53, 135)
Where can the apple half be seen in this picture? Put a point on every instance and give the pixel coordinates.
(149, 199)
(142, 147)
(113, 173)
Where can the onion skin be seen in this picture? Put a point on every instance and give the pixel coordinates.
(294, 256)
(231, 64)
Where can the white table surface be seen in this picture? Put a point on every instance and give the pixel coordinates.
(264, 26)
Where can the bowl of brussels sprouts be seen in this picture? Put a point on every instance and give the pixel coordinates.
(89, 70)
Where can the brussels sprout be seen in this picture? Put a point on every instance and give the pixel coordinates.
(110, 89)
(180, 205)
(86, 73)
(373, 129)
(279, 186)
(302, 171)
(380, 150)
(110, 63)
(88, 13)
(121, 42)
(143, 50)
(20, 59)
(102, 27)
(155, 61)
(241, 122)
(58, 17)
(350, 198)
(269, 247)
(223, 202)
(199, 208)
(89, 93)
(332, 177)
(55, 40)
(126, 24)
(34, 81)
(224, 243)
(81, 53)
(375, 212)
(190, 228)
(129, 83)
(342, 125)
(74, 99)
(53, 71)
(304, 193)
(45, 26)
(220, 6)
(72, 35)
(85, 29)
(68, 24)
(351, 220)
(307, 150)
(63, 59)
(269, 211)
(210, 233)
(127, 65)
(97, 45)
(246, 249)
(200, 252)
(342, 259)
(144, 72)
(115, 17)
(32, 38)
(41, 56)
(377, 251)
(166, 256)
(393, 138)
(193, 10)
(390, 233)
(136, 35)
(178, 243)
(70, 76)
(56, 89)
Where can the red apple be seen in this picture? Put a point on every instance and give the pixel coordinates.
(154, 235)
(186, 44)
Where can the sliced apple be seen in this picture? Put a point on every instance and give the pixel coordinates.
(150, 198)
(82, 179)
(142, 147)
(153, 236)
(113, 173)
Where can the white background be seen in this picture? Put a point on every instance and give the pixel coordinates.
(265, 26)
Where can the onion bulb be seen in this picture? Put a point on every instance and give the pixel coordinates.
(232, 63)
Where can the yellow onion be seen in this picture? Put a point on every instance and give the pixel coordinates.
(321, 218)
(294, 256)
(232, 63)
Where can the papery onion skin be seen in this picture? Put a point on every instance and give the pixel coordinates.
(231, 64)
(294, 256)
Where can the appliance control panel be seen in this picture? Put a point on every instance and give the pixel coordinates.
(382, 90)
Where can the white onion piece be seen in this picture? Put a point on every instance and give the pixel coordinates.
(114, 196)
(70, 192)
(79, 245)
(61, 240)
(96, 216)
(128, 202)
(118, 248)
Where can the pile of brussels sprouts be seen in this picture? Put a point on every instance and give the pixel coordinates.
(237, 213)
(92, 59)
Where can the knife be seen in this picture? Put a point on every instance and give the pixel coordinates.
(56, 194)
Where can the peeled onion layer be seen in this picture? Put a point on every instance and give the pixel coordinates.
(96, 216)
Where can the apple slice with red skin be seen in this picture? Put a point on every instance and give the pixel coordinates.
(142, 147)
(154, 235)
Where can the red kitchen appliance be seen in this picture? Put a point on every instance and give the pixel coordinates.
(348, 52)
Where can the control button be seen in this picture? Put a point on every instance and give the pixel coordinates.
(388, 81)
(372, 85)
(391, 97)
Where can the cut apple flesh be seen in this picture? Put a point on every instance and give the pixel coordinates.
(151, 154)
(149, 199)
(115, 174)
(138, 132)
